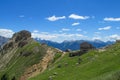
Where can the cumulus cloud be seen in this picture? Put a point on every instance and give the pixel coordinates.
(105, 28)
(79, 35)
(6, 33)
(43, 36)
(114, 36)
(59, 37)
(75, 16)
(54, 18)
(111, 19)
(75, 24)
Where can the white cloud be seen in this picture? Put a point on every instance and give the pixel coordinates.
(79, 35)
(105, 28)
(35, 31)
(111, 19)
(75, 24)
(54, 18)
(43, 36)
(6, 33)
(65, 29)
(75, 16)
(114, 36)
(58, 37)
(78, 29)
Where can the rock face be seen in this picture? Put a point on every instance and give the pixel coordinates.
(22, 35)
(18, 40)
(85, 46)
(118, 41)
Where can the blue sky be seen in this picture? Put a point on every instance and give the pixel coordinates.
(60, 20)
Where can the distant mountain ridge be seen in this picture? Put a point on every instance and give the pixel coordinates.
(3, 40)
(74, 45)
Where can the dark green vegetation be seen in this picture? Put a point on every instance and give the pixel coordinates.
(94, 65)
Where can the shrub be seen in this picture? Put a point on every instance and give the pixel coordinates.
(4, 77)
(57, 55)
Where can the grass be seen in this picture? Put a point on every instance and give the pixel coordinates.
(19, 64)
(94, 66)
(57, 56)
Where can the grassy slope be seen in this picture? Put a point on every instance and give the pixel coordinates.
(94, 66)
(18, 63)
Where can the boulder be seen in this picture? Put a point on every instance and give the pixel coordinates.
(85, 46)
(118, 41)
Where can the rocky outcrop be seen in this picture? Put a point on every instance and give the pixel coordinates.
(85, 46)
(8, 50)
(19, 39)
(117, 41)
(22, 35)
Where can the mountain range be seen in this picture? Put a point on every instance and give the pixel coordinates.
(74, 45)
(3, 40)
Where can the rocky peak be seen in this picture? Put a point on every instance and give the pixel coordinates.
(19, 39)
(22, 35)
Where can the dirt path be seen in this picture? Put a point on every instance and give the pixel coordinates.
(40, 67)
